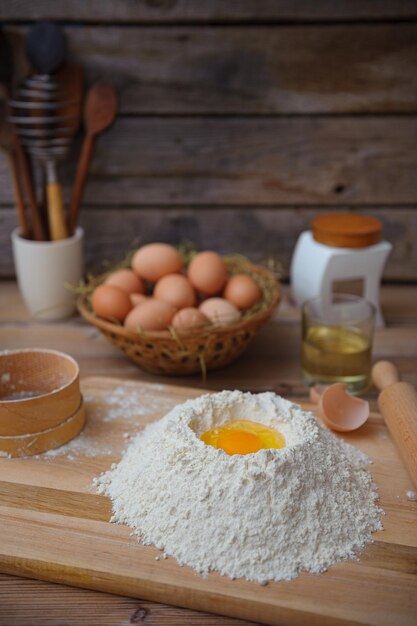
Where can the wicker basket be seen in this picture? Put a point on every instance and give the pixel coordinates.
(170, 353)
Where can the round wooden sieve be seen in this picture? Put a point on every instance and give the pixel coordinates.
(35, 443)
(39, 389)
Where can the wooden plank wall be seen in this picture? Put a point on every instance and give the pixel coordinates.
(241, 120)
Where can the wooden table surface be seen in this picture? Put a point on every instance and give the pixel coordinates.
(270, 363)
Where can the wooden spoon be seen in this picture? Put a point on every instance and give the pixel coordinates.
(99, 113)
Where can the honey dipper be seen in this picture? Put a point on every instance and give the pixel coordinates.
(45, 114)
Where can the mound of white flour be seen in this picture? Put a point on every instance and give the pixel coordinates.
(263, 516)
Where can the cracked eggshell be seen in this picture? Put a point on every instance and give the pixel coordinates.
(340, 411)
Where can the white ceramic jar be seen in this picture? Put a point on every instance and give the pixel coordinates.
(316, 266)
(45, 270)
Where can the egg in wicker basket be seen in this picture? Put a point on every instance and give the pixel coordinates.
(174, 353)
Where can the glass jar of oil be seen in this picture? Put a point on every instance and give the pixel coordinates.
(337, 337)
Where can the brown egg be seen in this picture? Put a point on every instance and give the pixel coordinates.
(138, 298)
(151, 315)
(189, 318)
(176, 290)
(156, 260)
(242, 291)
(207, 273)
(219, 311)
(111, 302)
(126, 280)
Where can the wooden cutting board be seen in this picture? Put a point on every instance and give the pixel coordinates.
(54, 527)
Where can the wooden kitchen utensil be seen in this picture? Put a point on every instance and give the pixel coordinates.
(20, 160)
(41, 406)
(46, 133)
(100, 111)
(46, 47)
(7, 145)
(41, 115)
(39, 389)
(398, 405)
(44, 440)
(7, 136)
(70, 76)
(24, 168)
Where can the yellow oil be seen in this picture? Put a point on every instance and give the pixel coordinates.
(336, 354)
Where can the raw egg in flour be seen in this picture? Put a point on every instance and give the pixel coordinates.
(243, 437)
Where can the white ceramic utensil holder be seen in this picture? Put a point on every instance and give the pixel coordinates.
(315, 267)
(44, 270)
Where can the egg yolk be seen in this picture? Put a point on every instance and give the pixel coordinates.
(239, 442)
(243, 437)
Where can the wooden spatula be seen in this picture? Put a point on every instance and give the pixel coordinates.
(99, 113)
(398, 405)
(7, 145)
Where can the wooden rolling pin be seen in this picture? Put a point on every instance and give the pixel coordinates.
(398, 405)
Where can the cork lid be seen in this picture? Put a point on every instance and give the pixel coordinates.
(346, 230)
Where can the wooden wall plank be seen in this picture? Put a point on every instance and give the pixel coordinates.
(254, 70)
(252, 106)
(145, 11)
(259, 233)
(248, 70)
(250, 161)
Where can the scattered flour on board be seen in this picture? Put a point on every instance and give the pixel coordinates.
(121, 403)
(263, 516)
(124, 403)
